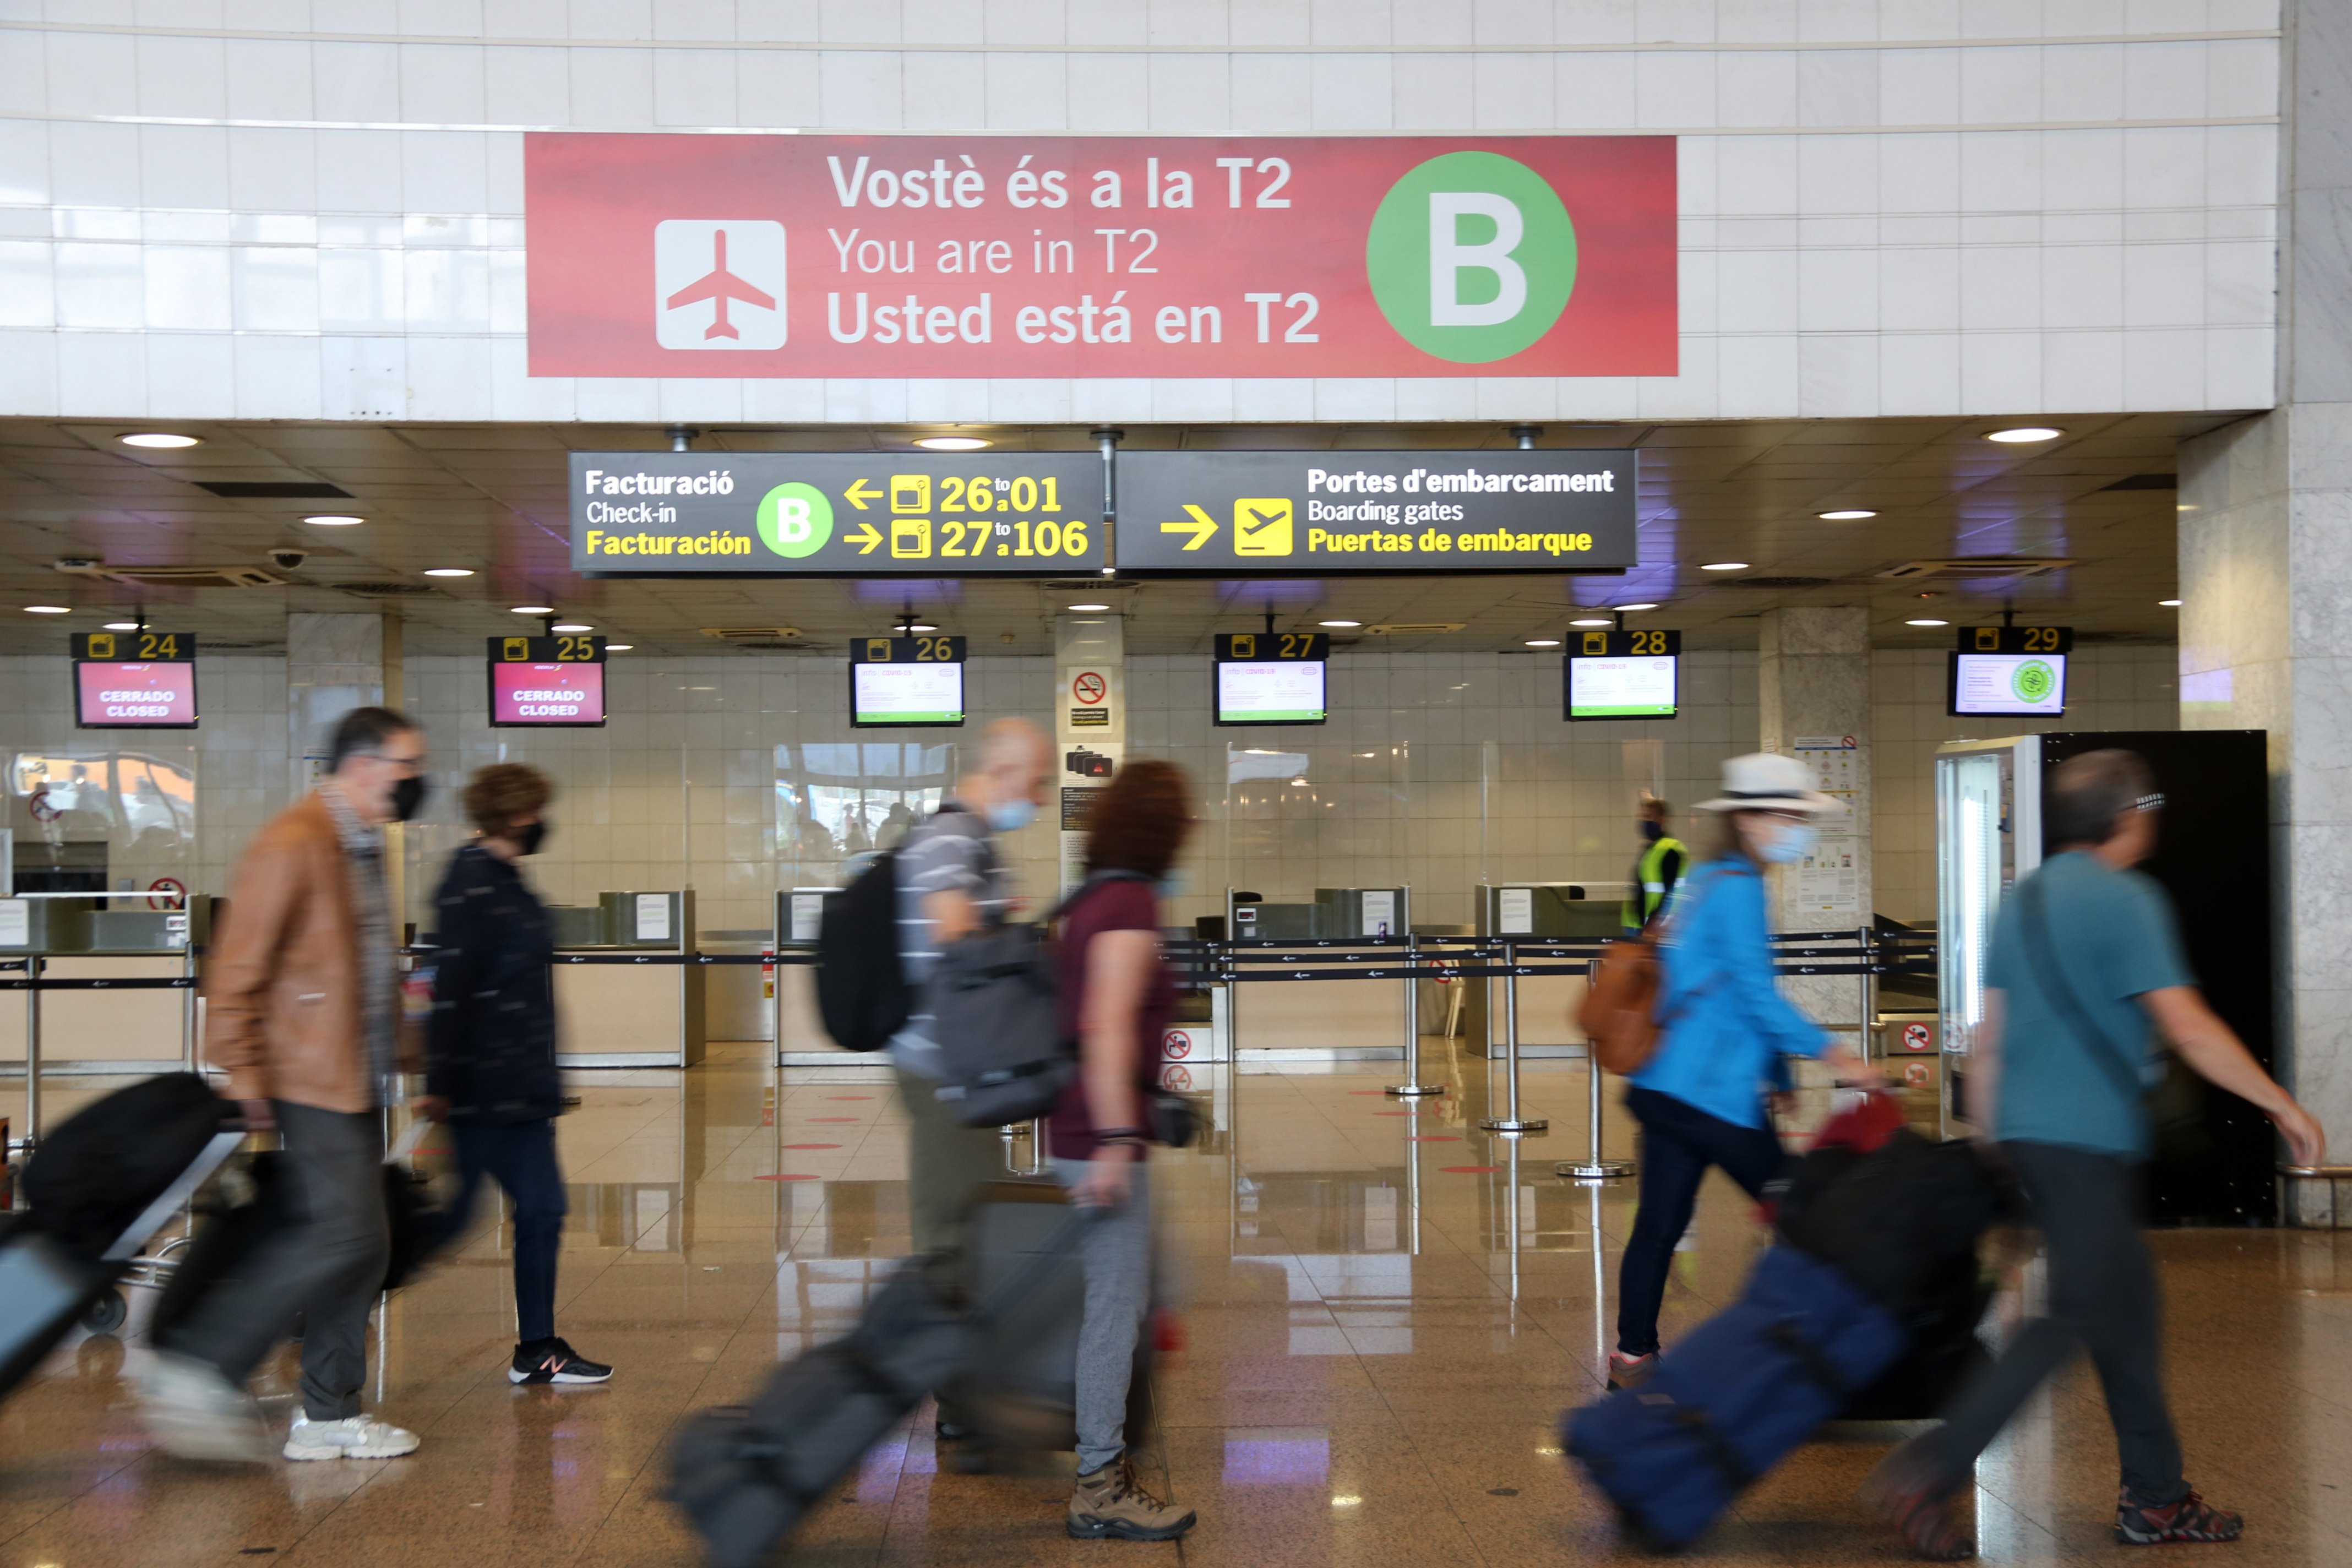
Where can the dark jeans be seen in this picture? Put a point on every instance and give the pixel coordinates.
(521, 1157)
(2104, 1296)
(328, 1264)
(1679, 1141)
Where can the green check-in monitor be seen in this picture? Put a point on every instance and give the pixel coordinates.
(1272, 678)
(1622, 674)
(909, 680)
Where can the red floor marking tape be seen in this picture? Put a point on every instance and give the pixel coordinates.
(1396, 1113)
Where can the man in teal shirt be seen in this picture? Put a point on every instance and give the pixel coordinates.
(2084, 958)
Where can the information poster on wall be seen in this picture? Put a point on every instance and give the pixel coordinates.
(1828, 881)
(1515, 912)
(653, 916)
(1380, 912)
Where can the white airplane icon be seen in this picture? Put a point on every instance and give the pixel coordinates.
(719, 285)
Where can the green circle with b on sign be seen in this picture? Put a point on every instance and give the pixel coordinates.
(795, 519)
(2033, 681)
(1472, 257)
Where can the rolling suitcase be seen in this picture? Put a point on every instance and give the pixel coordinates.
(48, 1283)
(1729, 1403)
(745, 1475)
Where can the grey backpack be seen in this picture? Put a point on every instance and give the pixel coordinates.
(996, 998)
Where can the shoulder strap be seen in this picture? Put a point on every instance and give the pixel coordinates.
(1094, 880)
(2053, 982)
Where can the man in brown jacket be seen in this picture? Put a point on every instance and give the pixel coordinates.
(303, 1014)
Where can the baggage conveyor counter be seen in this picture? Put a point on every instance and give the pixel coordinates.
(625, 994)
(96, 1024)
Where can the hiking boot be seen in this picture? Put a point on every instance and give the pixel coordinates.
(1907, 1493)
(352, 1437)
(1631, 1371)
(2190, 1519)
(194, 1412)
(1108, 1502)
(554, 1361)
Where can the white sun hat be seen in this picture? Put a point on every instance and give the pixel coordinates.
(1764, 781)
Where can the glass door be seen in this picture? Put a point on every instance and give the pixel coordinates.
(1975, 864)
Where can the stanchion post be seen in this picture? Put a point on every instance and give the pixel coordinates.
(32, 1138)
(1595, 1167)
(1510, 1120)
(1412, 1087)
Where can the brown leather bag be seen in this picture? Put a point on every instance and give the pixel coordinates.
(1619, 1014)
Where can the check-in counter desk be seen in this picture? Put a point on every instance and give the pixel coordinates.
(1318, 1020)
(612, 1012)
(801, 1039)
(1547, 1003)
(139, 1029)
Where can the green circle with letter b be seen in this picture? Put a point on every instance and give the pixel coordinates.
(1472, 257)
(795, 519)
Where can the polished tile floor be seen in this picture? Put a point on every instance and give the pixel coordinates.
(1387, 1311)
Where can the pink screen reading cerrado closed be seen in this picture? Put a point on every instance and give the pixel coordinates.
(547, 693)
(136, 695)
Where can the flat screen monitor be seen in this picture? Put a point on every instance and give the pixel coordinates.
(2022, 684)
(116, 695)
(1623, 686)
(1277, 692)
(547, 696)
(893, 694)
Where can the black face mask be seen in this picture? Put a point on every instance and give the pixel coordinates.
(528, 837)
(408, 797)
(1653, 831)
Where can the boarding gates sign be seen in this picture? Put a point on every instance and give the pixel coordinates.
(1338, 513)
(971, 256)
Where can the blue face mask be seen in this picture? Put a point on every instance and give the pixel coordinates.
(1796, 840)
(1011, 815)
(1173, 884)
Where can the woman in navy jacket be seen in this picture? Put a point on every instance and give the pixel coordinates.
(491, 1070)
(1724, 1027)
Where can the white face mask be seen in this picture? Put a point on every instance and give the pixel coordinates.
(1790, 843)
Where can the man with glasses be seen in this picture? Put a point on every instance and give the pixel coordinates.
(2086, 964)
(303, 1015)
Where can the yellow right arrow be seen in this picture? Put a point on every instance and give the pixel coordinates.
(1202, 528)
(865, 538)
(859, 493)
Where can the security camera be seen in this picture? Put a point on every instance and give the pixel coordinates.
(286, 559)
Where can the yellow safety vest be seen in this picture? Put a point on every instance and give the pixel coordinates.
(1650, 881)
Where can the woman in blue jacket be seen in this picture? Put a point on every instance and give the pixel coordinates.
(1723, 1029)
(490, 1068)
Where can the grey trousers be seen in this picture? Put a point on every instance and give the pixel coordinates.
(1119, 1292)
(946, 1161)
(327, 1264)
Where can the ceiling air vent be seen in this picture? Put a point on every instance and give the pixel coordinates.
(224, 644)
(180, 576)
(2009, 567)
(752, 635)
(274, 490)
(776, 644)
(385, 590)
(1413, 628)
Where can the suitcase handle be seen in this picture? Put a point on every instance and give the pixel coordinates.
(151, 1219)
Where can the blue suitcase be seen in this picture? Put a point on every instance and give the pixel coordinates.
(1729, 1403)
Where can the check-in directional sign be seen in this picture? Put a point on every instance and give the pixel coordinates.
(835, 514)
(1338, 513)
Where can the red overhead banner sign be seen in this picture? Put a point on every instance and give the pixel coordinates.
(935, 256)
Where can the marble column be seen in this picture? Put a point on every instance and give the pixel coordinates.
(2265, 545)
(333, 664)
(1089, 723)
(1813, 681)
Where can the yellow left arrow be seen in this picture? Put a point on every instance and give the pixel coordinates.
(865, 538)
(1202, 528)
(858, 493)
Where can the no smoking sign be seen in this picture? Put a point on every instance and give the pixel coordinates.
(1089, 687)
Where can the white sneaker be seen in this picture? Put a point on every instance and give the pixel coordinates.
(194, 1412)
(352, 1438)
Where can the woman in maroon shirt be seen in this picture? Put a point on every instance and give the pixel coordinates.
(1116, 1000)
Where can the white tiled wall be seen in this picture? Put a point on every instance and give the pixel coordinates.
(1888, 207)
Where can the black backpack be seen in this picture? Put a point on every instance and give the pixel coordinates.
(861, 991)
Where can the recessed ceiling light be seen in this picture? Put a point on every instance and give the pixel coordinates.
(52, 610)
(920, 626)
(2026, 433)
(2167, 604)
(448, 570)
(618, 647)
(1927, 621)
(574, 626)
(159, 439)
(1086, 609)
(1724, 567)
(533, 610)
(334, 520)
(1543, 642)
(1589, 621)
(1339, 625)
(1630, 608)
(952, 443)
(1846, 514)
(122, 625)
